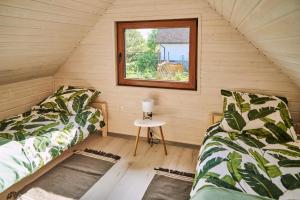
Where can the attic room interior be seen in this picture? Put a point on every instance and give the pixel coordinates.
(151, 100)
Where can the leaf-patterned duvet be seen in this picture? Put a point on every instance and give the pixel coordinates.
(252, 150)
(30, 140)
(241, 162)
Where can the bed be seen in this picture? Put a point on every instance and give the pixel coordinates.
(30, 140)
(252, 153)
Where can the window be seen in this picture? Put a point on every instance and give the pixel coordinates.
(159, 53)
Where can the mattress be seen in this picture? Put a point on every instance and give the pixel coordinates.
(29, 141)
(245, 164)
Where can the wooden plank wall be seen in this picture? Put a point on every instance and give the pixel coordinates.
(16, 98)
(272, 25)
(226, 60)
(37, 36)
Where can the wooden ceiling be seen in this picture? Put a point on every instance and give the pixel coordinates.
(273, 26)
(37, 36)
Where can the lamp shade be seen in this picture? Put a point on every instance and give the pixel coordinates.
(147, 105)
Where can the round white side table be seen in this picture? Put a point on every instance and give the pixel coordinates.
(149, 124)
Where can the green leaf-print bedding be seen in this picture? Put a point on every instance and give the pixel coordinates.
(244, 111)
(29, 141)
(247, 163)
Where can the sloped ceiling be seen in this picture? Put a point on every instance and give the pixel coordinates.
(273, 26)
(37, 36)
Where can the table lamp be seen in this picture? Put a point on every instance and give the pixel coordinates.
(147, 105)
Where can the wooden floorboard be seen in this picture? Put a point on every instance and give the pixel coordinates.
(131, 175)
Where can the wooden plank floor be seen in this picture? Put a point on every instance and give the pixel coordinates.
(130, 176)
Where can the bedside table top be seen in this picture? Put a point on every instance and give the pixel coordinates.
(148, 123)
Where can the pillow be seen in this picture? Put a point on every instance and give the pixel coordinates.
(90, 119)
(68, 99)
(245, 111)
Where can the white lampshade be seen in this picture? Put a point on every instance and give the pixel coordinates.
(147, 105)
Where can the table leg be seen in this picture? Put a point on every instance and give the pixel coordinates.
(163, 140)
(137, 140)
(148, 135)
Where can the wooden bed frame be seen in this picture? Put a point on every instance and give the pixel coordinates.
(216, 117)
(103, 107)
(29, 179)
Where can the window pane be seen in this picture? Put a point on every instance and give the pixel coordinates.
(160, 54)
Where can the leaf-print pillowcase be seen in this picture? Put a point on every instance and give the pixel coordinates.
(245, 111)
(68, 99)
(90, 119)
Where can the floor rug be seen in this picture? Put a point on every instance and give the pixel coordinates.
(70, 179)
(169, 185)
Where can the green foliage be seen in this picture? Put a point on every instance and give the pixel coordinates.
(19, 135)
(134, 43)
(22, 163)
(102, 124)
(42, 119)
(292, 147)
(284, 114)
(81, 118)
(271, 169)
(234, 120)
(8, 136)
(41, 143)
(4, 124)
(222, 183)
(55, 151)
(64, 118)
(210, 152)
(61, 103)
(224, 104)
(228, 179)
(244, 107)
(233, 164)
(260, 184)
(286, 152)
(78, 102)
(49, 105)
(289, 163)
(226, 93)
(91, 128)
(251, 141)
(259, 133)
(291, 182)
(267, 120)
(208, 165)
(76, 94)
(262, 112)
(45, 129)
(146, 63)
(80, 135)
(151, 41)
(74, 140)
(4, 140)
(230, 144)
(259, 100)
(32, 126)
(211, 144)
(42, 136)
(94, 118)
(281, 135)
(142, 56)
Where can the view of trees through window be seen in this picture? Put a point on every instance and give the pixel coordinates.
(157, 54)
